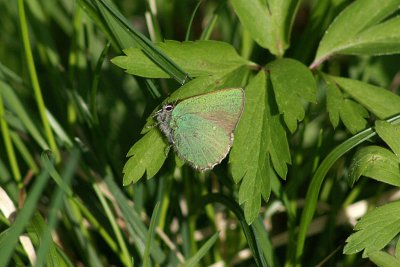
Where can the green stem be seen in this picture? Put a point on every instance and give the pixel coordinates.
(8, 144)
(34, 79)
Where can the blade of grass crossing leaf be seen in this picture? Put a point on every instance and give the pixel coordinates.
(154, 53)
(202, 251)
(150, 235)
(318, 178)
(9, 242)
(189, 29)
(5, 132)
(124, 254)
(56, 203)
(34, 79)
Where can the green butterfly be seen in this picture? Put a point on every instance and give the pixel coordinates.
(200, 128)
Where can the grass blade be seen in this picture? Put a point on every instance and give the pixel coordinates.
(150, 234)
(202, 251)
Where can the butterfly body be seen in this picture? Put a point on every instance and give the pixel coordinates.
(200, 128)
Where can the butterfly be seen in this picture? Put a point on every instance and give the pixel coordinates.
(200, 128)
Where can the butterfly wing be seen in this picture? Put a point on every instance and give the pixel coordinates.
(203, 126)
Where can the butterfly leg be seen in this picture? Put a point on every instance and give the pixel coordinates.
(167, 149)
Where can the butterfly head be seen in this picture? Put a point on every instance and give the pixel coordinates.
(163, 117)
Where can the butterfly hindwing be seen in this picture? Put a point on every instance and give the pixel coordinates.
(203, 126)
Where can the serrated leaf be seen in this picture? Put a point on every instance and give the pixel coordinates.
(333, 102)
(200, 58)
(353, 116)
(352, 26)
(293, 85)
(259, 139)
(377, 163)
(269, 23)
(248, 157)
(351, 113)
(278, 146)
(383, 259)
(390, 134)
(146, 155)
(377, 100)
(375, 230)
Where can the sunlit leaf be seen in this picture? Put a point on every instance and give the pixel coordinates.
(375, 230)
(294, 86)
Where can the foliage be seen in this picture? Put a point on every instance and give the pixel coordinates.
(321, 115)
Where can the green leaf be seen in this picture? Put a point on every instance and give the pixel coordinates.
(357, 30)
(377, 100)
(200, 58)
(259, 139)
(334, 101)
(269, 23)
(146, 155)
(350, 112)
(383, 259)
(377, 163)
(375, 230)
(353, 116)
(293, 85)
(382, 39)
(248, 157)
(390, 134)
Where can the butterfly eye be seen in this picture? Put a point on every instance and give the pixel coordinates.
(169, 107)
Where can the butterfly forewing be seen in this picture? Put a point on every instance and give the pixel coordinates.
(203, 126)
